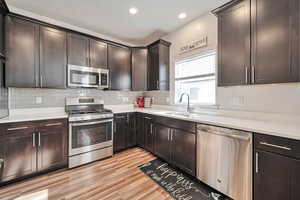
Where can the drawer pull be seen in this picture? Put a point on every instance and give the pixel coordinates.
(148, 118)
(17, 128)
(54, 124)
(275, 146)
(256, 162)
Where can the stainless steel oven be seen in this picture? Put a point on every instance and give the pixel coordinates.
(79, 76)
(90, 130)
(89, 136)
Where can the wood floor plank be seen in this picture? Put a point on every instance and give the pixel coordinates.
(115, 178)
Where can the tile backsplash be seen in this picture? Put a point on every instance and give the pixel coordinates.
(42, 98)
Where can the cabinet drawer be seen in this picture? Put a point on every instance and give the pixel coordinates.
(12, 128)
(278, 145)
(51, 124)
(176, 123)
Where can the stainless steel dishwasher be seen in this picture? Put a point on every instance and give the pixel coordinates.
(224, 160)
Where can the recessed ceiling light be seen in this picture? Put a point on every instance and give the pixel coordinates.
(133, 10)
(182, 15)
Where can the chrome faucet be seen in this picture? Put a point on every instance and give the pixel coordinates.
(188, 104)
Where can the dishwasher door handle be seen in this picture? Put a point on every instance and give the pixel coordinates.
(241, 136)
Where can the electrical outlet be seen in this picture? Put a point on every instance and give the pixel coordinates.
(38, 100)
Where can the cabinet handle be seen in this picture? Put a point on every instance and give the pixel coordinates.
(168, 134)
(246, 75)
(1, 163)
(120, 117)
(54, 124)
(115, 127)
(275, 146)
(33, 140)
(148, 118)
(39, 139)
(151, 129)
(157, 85)
(253, 74)
(41, 81)
(17, 128)
(171, 133)
(256, 162)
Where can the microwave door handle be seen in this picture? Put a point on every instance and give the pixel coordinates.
(91, 123)
(99, 79)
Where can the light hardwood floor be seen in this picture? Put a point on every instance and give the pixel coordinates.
(116, 178)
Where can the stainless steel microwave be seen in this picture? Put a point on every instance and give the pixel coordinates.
(79, 76)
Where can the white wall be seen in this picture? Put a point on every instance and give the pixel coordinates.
(277, 98)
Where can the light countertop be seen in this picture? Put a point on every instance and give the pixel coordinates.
(270, 124)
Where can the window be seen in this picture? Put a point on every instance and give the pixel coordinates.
(196, 76)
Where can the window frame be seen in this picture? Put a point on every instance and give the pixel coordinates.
(194, 57)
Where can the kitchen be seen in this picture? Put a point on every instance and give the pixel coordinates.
(208, 91)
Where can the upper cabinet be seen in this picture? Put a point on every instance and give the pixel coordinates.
(78, 50)
(22, 63)
(234, 45)
(275, 41)
(119, 62)
(139, 69)
(84, 51)
(53, 58)
(159, 65)
(258, 42)
(39, 61)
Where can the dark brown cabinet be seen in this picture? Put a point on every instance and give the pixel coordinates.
(275, 41)
(140, 130)
(53, 58)
(40, 59)
(158, 65)
(276, 168)
(139, 69)
(120, 130)
(22, 63)
(149, 133)
(131, 140)
(258, 42)
(124, 131)
(177, 147)
(78, 50)
(234, 45)
(184, 150)
(119, 62)
(19, 155)
(31, 147)
(84, 51)
(162, 142)
(52, 145)
(98, 54)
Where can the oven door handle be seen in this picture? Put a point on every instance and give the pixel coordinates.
(91, 123)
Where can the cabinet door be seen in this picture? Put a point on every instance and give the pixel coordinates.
(234, 45)
(119, 62)
(131, 132)
(140, 130)
(184, 150)
(139, 69)
(164, 67)
(149, 134)
(275, 30)
(98, 54)
(53, 58)
(19, 154)
(22, 53)
(153, 68)
(272, 176)
(120, 129)
(162, 142)
(78, 50)
(52, 145)
(295, 180)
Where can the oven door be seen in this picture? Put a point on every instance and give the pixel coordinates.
(89, 136)
(79, 76)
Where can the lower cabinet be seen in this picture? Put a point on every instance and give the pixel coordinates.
(19, 155)
(149, 133)
(124, 131)
(177, 147)
(140, 133)
(31, 147)
(276, 168)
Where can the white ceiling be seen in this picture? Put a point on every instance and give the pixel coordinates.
(111, 17)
